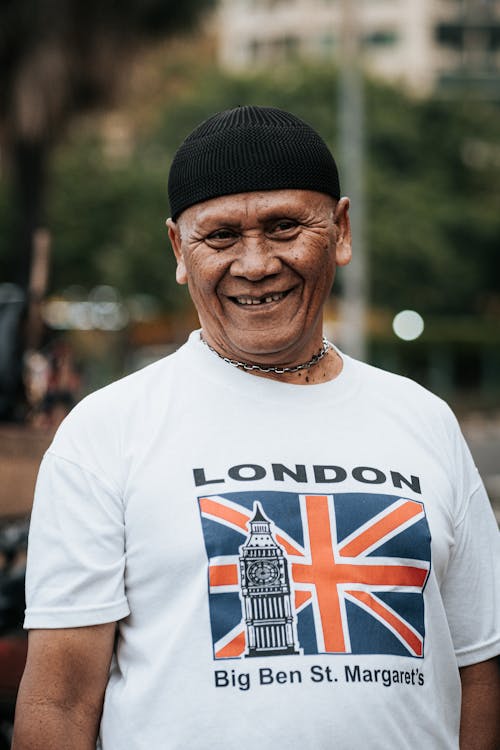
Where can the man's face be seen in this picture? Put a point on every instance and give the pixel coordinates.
(259, 267)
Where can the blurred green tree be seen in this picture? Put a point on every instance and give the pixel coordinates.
(433, 196)
(59, 58)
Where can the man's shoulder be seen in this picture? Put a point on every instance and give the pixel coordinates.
(111, 411)
(400, 390)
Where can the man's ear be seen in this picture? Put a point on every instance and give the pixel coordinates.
(343, 243)
(174, 236)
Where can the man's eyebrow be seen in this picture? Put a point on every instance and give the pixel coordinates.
(264, 215)
(285, 213)
(216, 220)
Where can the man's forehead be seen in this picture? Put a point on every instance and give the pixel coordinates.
(263, 205)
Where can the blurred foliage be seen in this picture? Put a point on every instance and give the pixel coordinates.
(432, 183)
(433, 197)
(109, 222)
(59, 58)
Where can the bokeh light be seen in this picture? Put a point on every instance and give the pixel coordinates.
(408, 325)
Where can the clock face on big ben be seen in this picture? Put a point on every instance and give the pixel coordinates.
(263, 572)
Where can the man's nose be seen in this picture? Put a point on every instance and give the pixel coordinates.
(256, 260)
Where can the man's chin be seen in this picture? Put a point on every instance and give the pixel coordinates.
(272, 350)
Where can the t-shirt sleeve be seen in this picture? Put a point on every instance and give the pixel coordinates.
(76, 551)
(471, 589)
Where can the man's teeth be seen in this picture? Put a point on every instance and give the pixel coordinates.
(260, 300)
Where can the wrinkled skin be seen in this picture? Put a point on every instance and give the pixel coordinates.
(260, 267)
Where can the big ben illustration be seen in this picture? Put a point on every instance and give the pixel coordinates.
(265, 592)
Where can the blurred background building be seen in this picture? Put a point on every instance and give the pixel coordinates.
(425, 45)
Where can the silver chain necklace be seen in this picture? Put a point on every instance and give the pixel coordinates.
(278, 370)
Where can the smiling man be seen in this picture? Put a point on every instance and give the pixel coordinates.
(259, 541)
(260, 266)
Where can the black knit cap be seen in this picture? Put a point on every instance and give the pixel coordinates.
(246, 149)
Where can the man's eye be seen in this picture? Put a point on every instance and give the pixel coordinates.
(221, 235)
(285, 225)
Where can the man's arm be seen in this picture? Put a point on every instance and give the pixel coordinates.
(62, 690)
(480, 720)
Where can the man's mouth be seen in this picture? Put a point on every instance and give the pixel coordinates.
(246, 299)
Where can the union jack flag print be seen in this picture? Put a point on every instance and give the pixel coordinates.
(358, 564)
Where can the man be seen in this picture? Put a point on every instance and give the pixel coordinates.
(297, 547)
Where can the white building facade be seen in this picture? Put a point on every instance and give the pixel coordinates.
(419, 43)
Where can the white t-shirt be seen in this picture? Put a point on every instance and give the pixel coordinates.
(292, 566)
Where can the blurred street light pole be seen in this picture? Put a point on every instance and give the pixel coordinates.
(353, 302)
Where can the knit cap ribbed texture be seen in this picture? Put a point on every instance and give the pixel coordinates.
(247, 149)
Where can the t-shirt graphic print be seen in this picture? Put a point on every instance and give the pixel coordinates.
(292, 573)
